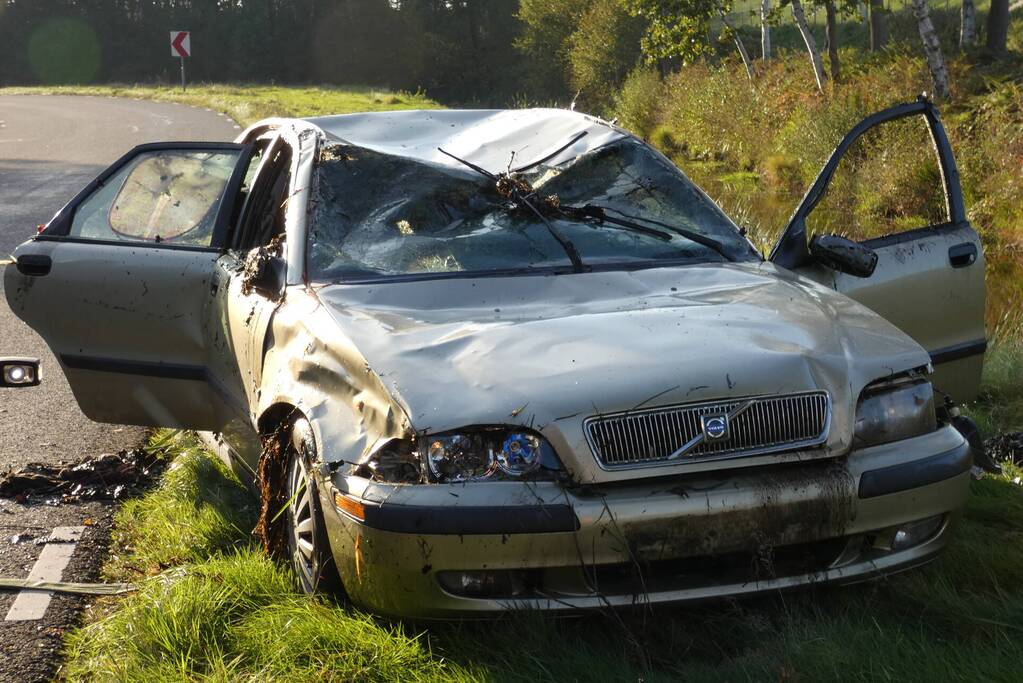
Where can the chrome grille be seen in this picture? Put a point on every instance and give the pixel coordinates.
(675, 434)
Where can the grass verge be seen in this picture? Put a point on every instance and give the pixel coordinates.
(212, 607)
(247, 104)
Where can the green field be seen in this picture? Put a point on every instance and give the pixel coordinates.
(247, 104)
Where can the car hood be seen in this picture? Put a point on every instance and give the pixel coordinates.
(549, 351)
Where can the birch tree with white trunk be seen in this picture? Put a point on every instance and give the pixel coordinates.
(811, 45)
(932, 49)
(765, 29)
(740, 46)
(967, 24)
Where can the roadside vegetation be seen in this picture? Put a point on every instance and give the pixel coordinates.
(247, 104)
(212, 606)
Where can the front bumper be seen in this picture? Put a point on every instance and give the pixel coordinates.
(464, 550)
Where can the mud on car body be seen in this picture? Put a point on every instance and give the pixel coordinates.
(503, 359)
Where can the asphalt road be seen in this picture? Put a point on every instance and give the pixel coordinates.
(49, 148)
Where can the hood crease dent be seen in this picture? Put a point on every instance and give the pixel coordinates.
(473, 351)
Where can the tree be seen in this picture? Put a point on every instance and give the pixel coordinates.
(831, 35)
(684, 29)
(546, 27)
(765, 29)
(878, 25)
(602, 51)
(967, 24)
(998, 27)
(811, 45)
(932, 48)
(739, 46)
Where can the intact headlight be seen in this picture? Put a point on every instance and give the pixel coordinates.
(893, 410)
(497, 454)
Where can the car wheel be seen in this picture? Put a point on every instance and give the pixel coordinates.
(308, 549)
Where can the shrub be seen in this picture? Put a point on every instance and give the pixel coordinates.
(663, 138)
(783, 174)
(637, 103)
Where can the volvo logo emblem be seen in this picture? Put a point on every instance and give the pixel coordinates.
(715, 427)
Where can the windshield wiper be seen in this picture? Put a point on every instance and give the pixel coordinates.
(517, 193)
(690, 235)
(589, 214)
(517, 190)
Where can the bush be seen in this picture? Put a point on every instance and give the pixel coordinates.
(663, 138)
(784, 174)
(637, 104)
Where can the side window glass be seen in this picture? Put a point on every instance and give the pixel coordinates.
(888, 181)
(250, 172)
(166, 196)
(266, 213)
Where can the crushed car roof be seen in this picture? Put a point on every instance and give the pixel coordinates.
(496, 139)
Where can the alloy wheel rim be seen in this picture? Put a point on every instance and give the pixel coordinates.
(303, 549)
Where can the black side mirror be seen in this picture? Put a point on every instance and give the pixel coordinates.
(265, 275)
(20, 372)
(843, 255)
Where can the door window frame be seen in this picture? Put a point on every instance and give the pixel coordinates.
(59, 227)
(259, 185)
(792, 250)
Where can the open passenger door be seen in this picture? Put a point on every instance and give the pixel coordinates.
(118, 282)
(929, 279)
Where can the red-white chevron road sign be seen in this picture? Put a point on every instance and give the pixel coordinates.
(181, 44)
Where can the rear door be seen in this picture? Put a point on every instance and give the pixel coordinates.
(117, 282)
(892, 184)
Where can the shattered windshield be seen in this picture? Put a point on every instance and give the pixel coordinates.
(622, 204)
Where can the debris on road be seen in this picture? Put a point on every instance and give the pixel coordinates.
(107, 477)
(66, 587)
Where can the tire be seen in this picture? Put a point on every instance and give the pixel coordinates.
(308, 549)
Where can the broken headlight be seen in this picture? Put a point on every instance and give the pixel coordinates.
(498, 454)
(893, 410)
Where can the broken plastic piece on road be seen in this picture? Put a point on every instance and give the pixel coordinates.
(67, 587)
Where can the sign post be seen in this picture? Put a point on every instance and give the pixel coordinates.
(181, 47)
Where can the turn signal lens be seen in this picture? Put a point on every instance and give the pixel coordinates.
(350, 506)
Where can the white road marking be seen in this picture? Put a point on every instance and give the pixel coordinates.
(31, 605)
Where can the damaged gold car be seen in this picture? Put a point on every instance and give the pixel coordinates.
(492, 360)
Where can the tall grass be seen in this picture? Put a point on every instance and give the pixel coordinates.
(230, 613)
(199, 509)
(212, 606)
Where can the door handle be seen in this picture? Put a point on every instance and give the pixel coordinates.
(962, 255)
(36, 265)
